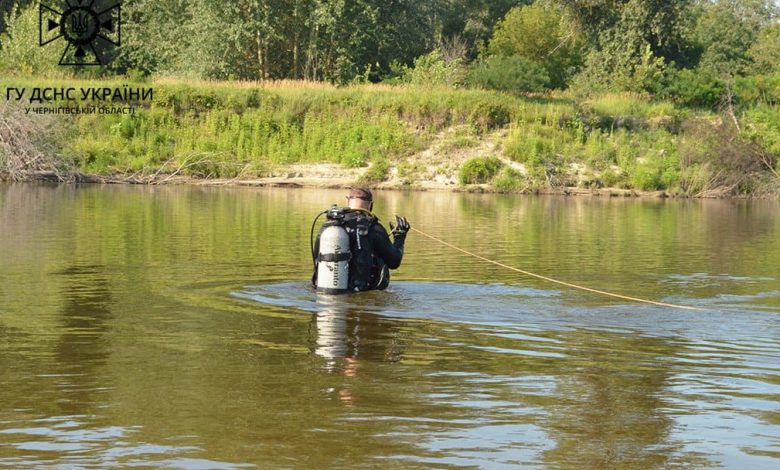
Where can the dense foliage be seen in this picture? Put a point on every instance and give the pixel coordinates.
(706, 71)
(599, 45)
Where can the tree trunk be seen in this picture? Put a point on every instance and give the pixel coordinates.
(295, 57)
(260, 61)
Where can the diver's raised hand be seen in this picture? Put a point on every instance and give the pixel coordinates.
(401, 226)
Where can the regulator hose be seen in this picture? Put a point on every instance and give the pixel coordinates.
(311, 238)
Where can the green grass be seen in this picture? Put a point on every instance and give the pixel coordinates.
(228, 129)
(239, 126)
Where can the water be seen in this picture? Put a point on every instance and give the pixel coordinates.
(174, 327)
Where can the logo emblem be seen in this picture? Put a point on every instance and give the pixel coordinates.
(86, 29)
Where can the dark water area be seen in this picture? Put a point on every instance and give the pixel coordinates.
(175, 327)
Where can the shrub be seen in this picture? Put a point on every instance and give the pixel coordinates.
(479, 170)
(513, 74)
(765, 52)
(487, 116)
(30, 143)
(647, 177)
(462, 137)
(758, 89)
(612, 179)
(626, 66)
(435, 69)
(655, 172)
(508, 179)
(763, 130)
(377, 172)
(716, 159)
(692, 88)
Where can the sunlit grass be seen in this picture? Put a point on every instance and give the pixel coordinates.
(226, 128)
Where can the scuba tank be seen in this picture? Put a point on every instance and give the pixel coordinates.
(332, 260)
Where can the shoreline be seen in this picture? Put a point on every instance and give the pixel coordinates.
(612, 145)
(346, 179)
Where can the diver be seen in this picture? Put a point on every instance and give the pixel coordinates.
(353, 251)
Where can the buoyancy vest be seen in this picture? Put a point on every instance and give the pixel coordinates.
(366, 270)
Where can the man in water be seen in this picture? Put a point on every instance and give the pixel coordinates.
(373, 254)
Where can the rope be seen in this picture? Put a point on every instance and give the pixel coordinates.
(556, 281)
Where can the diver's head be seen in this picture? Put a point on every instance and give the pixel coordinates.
(360, 198)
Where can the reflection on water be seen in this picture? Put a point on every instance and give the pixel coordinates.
(346, 338)
(175, 327)
(342, 333)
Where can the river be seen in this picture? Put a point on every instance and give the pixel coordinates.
(175, 327)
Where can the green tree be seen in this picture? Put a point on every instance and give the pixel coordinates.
(19, 44)
(727, 29)
(7, 6)
(157, 36)
(764, 54)
(541, 33)
(632, 40)
(472, 20)
(662, 24)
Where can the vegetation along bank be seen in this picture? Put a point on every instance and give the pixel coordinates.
(509, 95)
(304, 133)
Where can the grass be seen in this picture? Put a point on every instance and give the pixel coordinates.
(245, 124)
(460, 137)
(229, 129)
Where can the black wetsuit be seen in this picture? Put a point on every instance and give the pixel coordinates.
(372, 252)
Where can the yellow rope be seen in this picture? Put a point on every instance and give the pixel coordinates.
(556, 281)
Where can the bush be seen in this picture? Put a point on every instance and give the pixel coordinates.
(434, 69)
(692, 88)
(30, 144)
(377, 172)
(612, 179)
(758, 89)
(762, 128)
(513, 74)
(624, 68)
(479, 170)
(508, 179)
(765, 52)
(717, 160)
(487, 116)
(647, 178)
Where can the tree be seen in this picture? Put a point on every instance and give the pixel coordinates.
(632, 40)
(726, 31)
(5, 10)
(334, 40)
(543, 34)
(20, 51)
(764, 54)
(472, 20)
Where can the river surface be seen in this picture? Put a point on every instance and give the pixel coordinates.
(174, 327)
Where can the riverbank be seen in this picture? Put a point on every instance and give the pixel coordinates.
(317, 135)
(333, 177)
